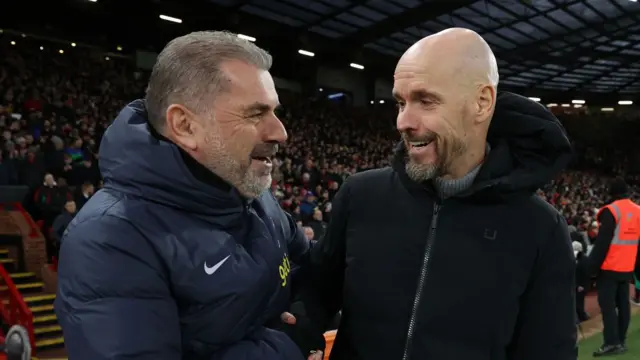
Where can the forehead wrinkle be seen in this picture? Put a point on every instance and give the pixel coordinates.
(415, 78)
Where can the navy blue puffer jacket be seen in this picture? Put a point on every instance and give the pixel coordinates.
(160, 265)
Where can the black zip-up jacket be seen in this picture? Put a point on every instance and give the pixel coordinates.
(485, 275)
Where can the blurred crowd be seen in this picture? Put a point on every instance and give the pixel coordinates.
(55, 107)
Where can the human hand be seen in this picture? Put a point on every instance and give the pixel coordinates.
(290, 319)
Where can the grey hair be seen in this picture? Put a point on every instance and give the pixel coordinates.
(187, 71)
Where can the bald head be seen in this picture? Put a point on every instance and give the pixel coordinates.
(445, 85)
(459, 53)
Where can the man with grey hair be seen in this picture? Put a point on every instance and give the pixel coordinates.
(454, 257)
(184, 254)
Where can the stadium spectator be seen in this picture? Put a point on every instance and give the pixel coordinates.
(85, 171)
(50, 199)
(62, 221)
(319, 227)
(31, 167)
(308, 232)
(8, 172)
(583, 281)
(83, 194)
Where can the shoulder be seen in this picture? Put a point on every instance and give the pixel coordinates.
(544, 213)
(372, 176)
(605, 213)
(106, 230)
(150, 220)
(104, 222)
(551, 229)
(533, 221)
(110, 245)
(106, 256)
(371, 181)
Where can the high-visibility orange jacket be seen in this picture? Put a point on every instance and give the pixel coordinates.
(623, 250)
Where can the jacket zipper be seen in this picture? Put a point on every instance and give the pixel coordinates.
(423, 277)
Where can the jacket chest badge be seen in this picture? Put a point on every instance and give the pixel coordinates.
(490, 234)
(284, 269)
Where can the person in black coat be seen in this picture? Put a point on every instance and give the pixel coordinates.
(583, 282)
(83, 193)
(460, 199)
(58, 228)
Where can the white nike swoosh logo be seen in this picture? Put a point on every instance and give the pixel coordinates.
(214, 268)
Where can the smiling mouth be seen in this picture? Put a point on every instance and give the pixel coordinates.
(419, 144)
(265, 159)
(264, 153)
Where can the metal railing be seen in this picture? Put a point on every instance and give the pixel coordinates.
(13, 309)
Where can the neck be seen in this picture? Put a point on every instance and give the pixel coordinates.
(198, 170)
(450, 186)
(473, 157)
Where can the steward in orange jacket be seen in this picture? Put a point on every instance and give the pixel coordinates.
(615, 255)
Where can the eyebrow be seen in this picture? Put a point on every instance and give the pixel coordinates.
(259, 107)
(421, 94)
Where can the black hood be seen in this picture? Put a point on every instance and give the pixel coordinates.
(529, 148)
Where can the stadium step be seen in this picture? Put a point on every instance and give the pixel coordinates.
(51, 355)
(47, 331)
(47, 336)
(36, 287)
(22, 278)
(49, 343)
(49, 319)
(45, 323)
(42, 309)
(9, 264)
(39, 299)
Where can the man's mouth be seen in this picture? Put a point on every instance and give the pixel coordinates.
(419, 144)
(265, 159)
(264, 154)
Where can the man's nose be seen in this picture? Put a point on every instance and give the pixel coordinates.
(407, 120)
(274, 131)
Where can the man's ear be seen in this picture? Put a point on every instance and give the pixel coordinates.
(180, 126)
(485, 103)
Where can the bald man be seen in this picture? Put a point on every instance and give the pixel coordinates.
(455, 257)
